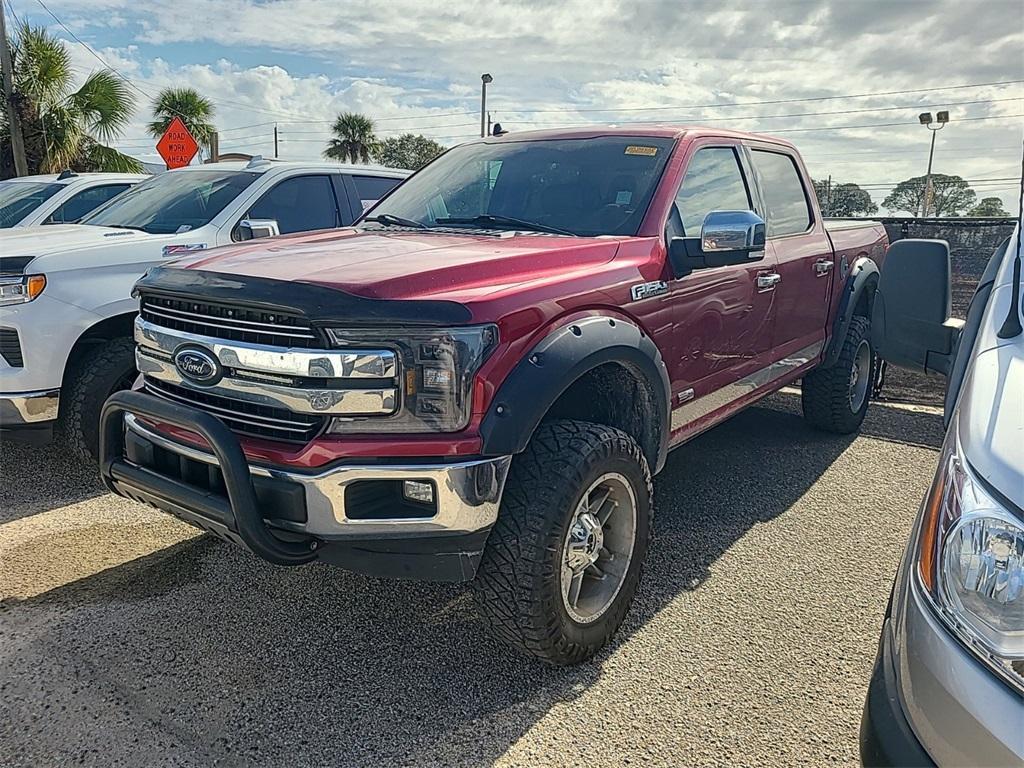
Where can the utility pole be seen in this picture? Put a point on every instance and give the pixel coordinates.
(488, 122)
(828, 196)
(275, 140)
(13, 119)
(484, 80)
(214, 147)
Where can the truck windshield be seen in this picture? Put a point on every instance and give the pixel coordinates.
(19, 198)
(173, 202)
(591, 186)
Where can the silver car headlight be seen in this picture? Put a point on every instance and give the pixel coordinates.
(437, 370)
(971, 564)
(20, 289)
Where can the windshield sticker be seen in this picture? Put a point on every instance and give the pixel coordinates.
(634, 149)
(171, 250)
(625, 197)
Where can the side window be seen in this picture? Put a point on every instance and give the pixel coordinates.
(86, 201)
(713, 182)
(372, 188)
(299, 204)
(784, 193)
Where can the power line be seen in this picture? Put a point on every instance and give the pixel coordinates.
(885, 125)
(763, 103)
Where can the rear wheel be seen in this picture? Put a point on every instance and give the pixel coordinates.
(835, 399)
(564, 559)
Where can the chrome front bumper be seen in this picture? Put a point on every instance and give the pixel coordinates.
(26, 409)
(468, 493)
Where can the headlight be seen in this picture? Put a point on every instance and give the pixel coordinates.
(435, 377)
(971, 565)
(21, 289)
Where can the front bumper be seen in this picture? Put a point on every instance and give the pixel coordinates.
(29, 414)
(886, 738)
(348, 515)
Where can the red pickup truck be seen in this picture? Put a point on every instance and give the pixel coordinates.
(478, 380)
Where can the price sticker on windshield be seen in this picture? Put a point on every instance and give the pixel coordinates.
(634, 149)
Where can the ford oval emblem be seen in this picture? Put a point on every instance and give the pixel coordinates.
(197, 365)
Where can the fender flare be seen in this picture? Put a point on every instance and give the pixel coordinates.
(559, 360)
(862, 277)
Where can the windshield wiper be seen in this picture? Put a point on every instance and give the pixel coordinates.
(121, 226)
(390, 220)
(491, 219)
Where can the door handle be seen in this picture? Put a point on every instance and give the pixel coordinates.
(768, 281)
(823, 267)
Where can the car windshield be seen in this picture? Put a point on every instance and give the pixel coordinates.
(173, 202)
(592, 186)
(19, 198)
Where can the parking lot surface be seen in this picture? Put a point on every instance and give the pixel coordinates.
(128, 639)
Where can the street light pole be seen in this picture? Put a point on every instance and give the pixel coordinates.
(484, 80)
(925, 119)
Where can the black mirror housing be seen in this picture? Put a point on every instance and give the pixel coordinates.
(911, 325)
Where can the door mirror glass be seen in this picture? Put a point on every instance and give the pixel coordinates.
(250, 229)
(910, 319)
(739, 231)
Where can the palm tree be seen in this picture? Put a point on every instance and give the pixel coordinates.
(354, 140)
(194, 110)
(65, 128)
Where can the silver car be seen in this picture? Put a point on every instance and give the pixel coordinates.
(948, 683)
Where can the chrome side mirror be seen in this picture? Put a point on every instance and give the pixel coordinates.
(250, 229)
(734, 231)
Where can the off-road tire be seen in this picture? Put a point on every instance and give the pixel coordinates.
(825, 392)
(96, 374)
(518, 587)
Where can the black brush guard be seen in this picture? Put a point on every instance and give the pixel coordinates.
(236, 518)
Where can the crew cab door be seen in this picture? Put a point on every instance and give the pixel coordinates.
(298, 204)
(723, 316)
(802, 252)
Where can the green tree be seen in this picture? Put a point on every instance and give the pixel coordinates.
(354, 140)
(64, 128)
(989, 207)
(407, 151)
(194, 110)
(844, 199)
(951, 196)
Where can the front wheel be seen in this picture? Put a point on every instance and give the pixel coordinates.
(564, 559)
(835, 399)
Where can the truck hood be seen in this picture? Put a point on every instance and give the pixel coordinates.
(53, 238)
(408, 265)
(990, 418)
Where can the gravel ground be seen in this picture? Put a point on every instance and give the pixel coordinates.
(126, 639)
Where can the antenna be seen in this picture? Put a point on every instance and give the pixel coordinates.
(1011, 325)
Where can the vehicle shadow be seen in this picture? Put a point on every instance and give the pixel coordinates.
(253, 664)
(36, 479)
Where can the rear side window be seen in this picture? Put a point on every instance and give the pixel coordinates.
(372, 188)
(713, 182)
(299, 204)
(86, 201)
(784, 194)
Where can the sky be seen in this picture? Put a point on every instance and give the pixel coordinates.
(847, 78)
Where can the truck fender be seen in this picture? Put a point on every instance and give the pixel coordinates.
(562, 358)
(861, 280)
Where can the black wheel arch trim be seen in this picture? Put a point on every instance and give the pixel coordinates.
(863, 276)
(560, 359)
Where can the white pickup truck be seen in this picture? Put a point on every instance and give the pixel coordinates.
(66, 309)
(62, 198)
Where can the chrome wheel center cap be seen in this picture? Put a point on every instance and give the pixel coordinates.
(586, 539)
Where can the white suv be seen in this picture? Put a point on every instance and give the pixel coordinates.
(59, 199)
(66, 309)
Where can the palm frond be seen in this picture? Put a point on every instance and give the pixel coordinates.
(42, 66)
(62, 136)
(107, 159)
(105, 103)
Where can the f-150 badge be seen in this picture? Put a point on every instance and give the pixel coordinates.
(646, 290)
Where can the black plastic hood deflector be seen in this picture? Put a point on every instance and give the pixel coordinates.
(320, 304)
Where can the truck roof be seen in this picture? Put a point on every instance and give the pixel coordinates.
(265, 164)
(55, 178)
(659, 130)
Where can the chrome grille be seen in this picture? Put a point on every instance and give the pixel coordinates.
(230, 323)
(243, 418)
